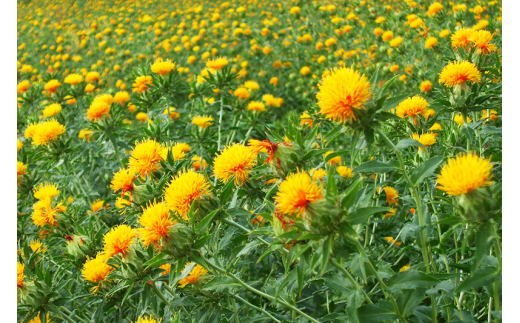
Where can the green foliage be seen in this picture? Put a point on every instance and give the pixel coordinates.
(350, 251)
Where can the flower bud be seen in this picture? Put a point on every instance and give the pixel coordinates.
(180, 240)
(77, 246)
(478, 205)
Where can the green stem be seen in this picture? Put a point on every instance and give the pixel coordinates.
(260, 293)
(496, 285)
(248, 133)
(70, 313)
(236, 225)
(372, 268)
(353, 148)
(352, 280)
(220, 123)
(367, 230)
(418, 203)
(465, 124)
(78, 187)
(63, 316)
(415, 195)
(116, 149)
(161, 296)
(256, 308)
(234, 304)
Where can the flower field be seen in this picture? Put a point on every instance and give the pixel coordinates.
(259, 161)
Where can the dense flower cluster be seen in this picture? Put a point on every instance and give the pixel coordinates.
(226, 161)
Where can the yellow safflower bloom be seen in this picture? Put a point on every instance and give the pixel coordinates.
(156, 223)
(73, 79)
(457, 73)
(426, 86)
(296, 193)
(342, 91)
(51, 110)
(121, 97)
(184, 189)
(46, 132)
(256, 106)
(430, 42)
(145, 157)
(465, 173)
(461, 38)
(96, 269)
(202, 121)
(218, 63)
(123, 180)
(193, 277)
(235, 160)
(391, 195)
(51, 86)
(412, 107)
(162, 67)
(119, 240)
(345, 171)
(98, 110)
(427, 139)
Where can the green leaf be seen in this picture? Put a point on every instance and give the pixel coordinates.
(226, 191)
(291, 235)
(450, 220)
(387, 85)
(382, 311)
(405, 143)
(409, 299)
(313, 153)
(483, 242)
(338, 285)
(423, 314)
(156, 261)
(191, 213)
(376, 166)
(357, 265)
(369, 136)
(48, 279)
(355, 300)
(221, 284)
(361, 215)
(203, 225)
(374, 78)
(331, 182)
(350, 193)
(447, 286)
(335, 154)
(393, 101)
(410, 279)
(410, 228)
(309, 236)
(490, 130)
(248, 247)
(426, 169)
(127, 294)
(328, 244)
(334, 132)
(346, 230)
(238, 212)
(272, 248)
(481, 277)
(468, 132)
(98, 314)
(300, 275)
(200, 242)
(383, 116)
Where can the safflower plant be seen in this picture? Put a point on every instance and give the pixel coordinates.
(197, 161)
